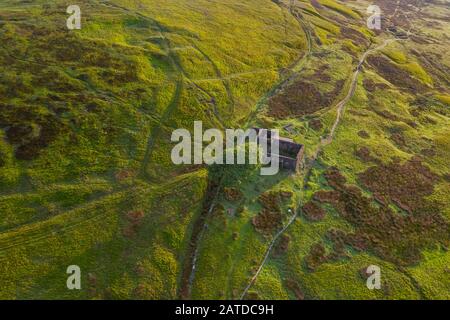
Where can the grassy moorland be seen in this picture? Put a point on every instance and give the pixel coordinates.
(86, 118)
(391, 145)
(86, 176)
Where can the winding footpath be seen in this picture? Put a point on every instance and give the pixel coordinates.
(324, 142)
(297, 66)
(341, 105)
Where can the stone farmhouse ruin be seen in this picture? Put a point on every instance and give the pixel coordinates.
(290, 153)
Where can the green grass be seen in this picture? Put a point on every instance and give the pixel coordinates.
(432, 274)
(68, 205)
(338, 7)
(117, 88)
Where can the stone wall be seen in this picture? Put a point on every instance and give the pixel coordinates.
(290, 153)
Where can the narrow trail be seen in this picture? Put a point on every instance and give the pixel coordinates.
(233, 76)
(217, 119)
(37, 231)
(13, 238)
(173, 104)
(297, 65)
(295, 68)
(171, 107)
(219, 75)
(341, 105)
(181, 79)
(154, 134)
(324, 142)
(266, 256)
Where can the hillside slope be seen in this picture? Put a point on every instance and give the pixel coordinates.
(86, 117)
(85, 171)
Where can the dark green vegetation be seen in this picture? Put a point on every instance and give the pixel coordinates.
(85, 170)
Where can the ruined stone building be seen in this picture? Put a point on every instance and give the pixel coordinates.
(290, 153)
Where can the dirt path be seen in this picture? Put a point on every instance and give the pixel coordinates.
(218, 73)
(191, 258)
(324, 142)
(295, 67)
(341, 105)
(154, 134)
(266, 256)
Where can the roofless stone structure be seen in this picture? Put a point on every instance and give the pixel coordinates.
(290, 153)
